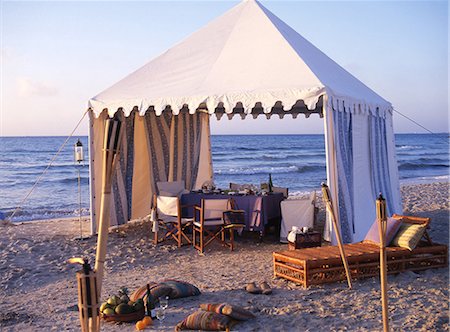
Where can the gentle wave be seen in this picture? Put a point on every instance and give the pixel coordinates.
(21, 215)
(267, 170)
(421, 166)
(404, 147)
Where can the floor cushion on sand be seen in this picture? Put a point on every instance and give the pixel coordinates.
(408, 236)
(207, 321)
(173, 288)
(157, 290)
(181, 289)
(233, 311)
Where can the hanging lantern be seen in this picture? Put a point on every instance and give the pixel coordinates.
(79, 156)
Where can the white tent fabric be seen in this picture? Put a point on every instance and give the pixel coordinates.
(247, 55)
(249, 61)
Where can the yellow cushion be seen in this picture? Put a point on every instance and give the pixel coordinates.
(408, 236)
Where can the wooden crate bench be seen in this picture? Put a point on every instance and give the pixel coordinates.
(313, 266)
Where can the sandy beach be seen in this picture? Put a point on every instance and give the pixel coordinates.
(38, 290)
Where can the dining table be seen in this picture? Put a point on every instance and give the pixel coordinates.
(258, 209)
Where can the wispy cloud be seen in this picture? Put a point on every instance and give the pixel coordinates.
(27, 87)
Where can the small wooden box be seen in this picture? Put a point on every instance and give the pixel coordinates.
(306, 240)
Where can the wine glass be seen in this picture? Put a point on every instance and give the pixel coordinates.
(164, 302)
(160, 315)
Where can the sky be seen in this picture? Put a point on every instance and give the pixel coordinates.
(56, 55)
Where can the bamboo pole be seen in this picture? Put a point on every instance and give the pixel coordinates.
(329, 206)
(382, 224)
(110, 153)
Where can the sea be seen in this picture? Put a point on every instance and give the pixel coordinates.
(294, 161)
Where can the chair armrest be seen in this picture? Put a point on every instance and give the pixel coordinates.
(196, 209)
(232, 210)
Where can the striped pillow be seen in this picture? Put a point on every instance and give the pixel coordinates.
(205, 320)
(231, 310)
(408, 236)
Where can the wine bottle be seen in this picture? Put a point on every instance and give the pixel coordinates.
(270, 183)
(150, 304)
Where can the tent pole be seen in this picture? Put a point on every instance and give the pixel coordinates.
(329, 206)
(91, 175)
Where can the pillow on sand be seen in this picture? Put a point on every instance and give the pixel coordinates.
(233, 311)
(181, 289)
(392, 227)
(157, 291)
(408, 236)
(205, 320)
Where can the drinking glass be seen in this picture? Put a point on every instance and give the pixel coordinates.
(160, 315)
(164, 302)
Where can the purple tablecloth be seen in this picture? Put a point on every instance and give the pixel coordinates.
(258, 209)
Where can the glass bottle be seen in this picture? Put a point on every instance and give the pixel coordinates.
(270, 183)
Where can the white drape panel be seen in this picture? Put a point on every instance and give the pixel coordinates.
(364, 203)
(205, 166)
(361, 162)
(332, 175)
(382, 161)
(393, 166)
(344, 163)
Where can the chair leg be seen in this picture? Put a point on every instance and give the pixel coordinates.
(179, 239)
(201, 241)
(155, 238)
(231, 239)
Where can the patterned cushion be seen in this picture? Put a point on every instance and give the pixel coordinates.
(172, 288)
(205, 320)
(233, 311)
(408, 236)
(157, 291)
(392, 227)
(181, 289)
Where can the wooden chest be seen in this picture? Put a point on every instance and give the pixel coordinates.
(306, 240)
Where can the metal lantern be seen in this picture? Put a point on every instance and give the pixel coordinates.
(79, 155)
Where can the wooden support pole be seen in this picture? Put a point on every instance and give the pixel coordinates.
(329, 206)
(382, 224)
(110, 153)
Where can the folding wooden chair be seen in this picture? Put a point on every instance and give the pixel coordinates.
(209, 224)
(169, 221)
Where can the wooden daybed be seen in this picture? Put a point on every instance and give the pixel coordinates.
(313, 266)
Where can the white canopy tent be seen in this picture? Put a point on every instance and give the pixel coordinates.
(245, 62)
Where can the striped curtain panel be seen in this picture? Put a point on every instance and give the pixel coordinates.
(174, 146)
(344, 157)
(380, 175)
(123, 176)
(185, 139)
(158, 142)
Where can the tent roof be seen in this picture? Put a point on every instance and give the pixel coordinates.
(248, 56)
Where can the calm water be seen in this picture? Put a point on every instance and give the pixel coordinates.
(295, 161)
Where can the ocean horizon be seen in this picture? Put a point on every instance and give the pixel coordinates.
(296, 161)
